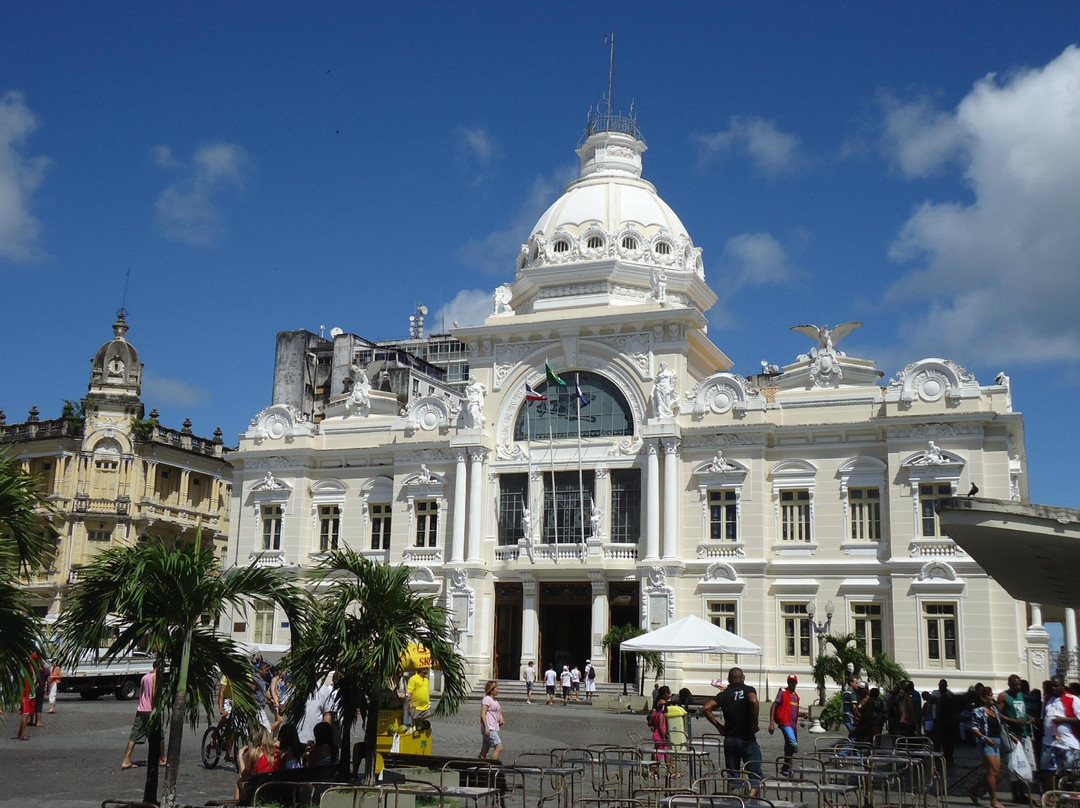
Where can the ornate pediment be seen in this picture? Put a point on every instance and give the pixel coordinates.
(722, 393)
(931, 380)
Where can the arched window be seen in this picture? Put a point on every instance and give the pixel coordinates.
(606, 415)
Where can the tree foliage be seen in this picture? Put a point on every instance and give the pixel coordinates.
(844, 655)
(162, 596)
(26, 546)
(617, 635)
(363, 619)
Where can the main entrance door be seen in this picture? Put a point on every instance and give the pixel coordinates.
(508, 598)
(565, 624)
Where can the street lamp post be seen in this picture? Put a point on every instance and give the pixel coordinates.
(821, 628)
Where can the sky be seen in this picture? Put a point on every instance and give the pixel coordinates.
(271, 166)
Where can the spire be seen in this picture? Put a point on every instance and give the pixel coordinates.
(120, 327)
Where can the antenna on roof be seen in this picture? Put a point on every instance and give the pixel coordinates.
(122, 311)
(610, 39)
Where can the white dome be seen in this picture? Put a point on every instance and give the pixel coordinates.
(610, 203)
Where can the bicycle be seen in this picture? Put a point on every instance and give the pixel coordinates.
(210, 749)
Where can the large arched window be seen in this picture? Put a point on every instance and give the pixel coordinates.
(607, 413)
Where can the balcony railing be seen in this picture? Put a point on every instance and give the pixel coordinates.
(100, 505)
(422, 555)
(267, 558)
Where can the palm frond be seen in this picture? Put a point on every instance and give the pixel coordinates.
(23, 542)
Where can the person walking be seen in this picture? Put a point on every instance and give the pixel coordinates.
(491, 721)
(1013, 711)
(530, 679)
(987, 729)
(27, 708)
(143, 726)
(575, 683)
(1061, 732)
(590, 680)
(55, 677)
(549, 683)
(739, 705)
(41, 687)
(564, 680)
(785, 713)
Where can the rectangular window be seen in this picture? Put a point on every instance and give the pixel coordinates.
(797, 634)
(329, 527)
(427, 522)
(795, 515)
(626, 506)
(870, 625)
(941, 638)
(513, 499)
(99, 535)
(380, 526)
(563, 508)
(723, 515)
(271, 527)
(929, 495)
(723, 613)
(263, 626)
(864, 505)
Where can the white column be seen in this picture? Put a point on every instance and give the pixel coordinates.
(476, 490)
(1036, 615)
(457, 540)
(652, 504)
(530, 624)
(671, 496)
(599, 617)
(1070, 630)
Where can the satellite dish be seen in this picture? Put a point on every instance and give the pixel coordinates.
(336, 332)
(422, 310)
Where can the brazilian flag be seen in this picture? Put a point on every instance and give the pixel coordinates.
(552, 376)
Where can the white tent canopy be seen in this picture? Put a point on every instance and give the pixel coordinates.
(690, 635)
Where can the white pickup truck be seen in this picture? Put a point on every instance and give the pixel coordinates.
(93, 677)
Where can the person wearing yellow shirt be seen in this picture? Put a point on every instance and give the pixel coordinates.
(419, 695)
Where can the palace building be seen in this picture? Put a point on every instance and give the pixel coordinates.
(603, 466)
(111, 475)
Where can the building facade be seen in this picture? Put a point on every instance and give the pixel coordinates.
(604, 467)
(111, 475)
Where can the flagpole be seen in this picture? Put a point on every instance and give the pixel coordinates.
(580, 475)
(528, 454)
(551, 458)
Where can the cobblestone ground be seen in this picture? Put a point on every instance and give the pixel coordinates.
(74, 759)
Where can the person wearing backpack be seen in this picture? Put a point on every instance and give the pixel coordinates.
(590, 680)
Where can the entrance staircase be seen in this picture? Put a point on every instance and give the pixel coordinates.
(607, 693)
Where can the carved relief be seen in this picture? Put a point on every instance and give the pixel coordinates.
(930, 380)
(723, 440)
(720, 571)
(721, 393)
(635, 347)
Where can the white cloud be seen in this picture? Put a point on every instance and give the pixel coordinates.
(478, 143)
(189, 210)
(497, 251)
(774, 152)
(752, 259)
(918, 138)
(999, 275)
(175, 392)
(20, 176)
(469, 307)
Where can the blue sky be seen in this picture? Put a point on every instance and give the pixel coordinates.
(270, 166)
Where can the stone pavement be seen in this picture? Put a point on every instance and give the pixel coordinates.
(74, 760)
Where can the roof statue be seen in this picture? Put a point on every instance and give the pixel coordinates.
(826, 337)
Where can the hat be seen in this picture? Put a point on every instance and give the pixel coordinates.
(588, 661)
(793, 678)
(566, 667)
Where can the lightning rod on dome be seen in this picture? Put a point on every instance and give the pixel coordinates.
(610, 38)
(121, 312)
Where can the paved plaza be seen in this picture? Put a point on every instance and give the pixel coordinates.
(74, 760)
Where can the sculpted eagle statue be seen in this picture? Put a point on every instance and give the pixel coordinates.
(825, 337)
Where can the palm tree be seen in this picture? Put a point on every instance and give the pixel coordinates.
(849, 658)
(25, 547)
(168, 599)
(616, 636)
(364, 618)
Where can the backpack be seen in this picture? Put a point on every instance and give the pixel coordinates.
(592, 672)
(650, 719)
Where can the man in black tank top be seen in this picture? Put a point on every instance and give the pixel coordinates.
(739, 704)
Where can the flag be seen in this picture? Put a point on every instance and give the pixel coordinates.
(532, 395)
(552, 376)
(581, 396)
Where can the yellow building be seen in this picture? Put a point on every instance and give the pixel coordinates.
(113, 476)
